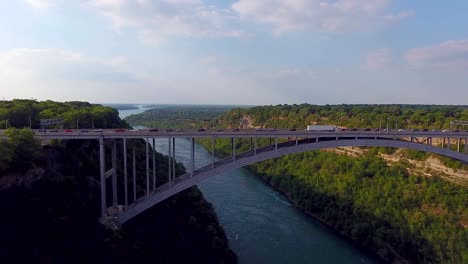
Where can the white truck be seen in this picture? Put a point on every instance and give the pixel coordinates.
(321, 128)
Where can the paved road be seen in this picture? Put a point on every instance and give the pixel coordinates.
(227, 133)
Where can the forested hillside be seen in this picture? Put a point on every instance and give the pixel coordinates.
(384, 208)
(50, 201)
(179, 116)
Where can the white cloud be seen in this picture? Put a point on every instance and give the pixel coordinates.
(399, 16)
(316, 15)
(40, 4)
(452, 53)
(377, 59)
(156, 21)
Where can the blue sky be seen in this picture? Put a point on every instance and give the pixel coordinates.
(235, 51)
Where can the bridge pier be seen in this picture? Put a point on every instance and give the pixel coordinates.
(316, 140)
(154, 164)
(114, 174)
(102, 170)
(276, 143)
(466, 145)
(212, 151)
(443, 142)
(233, 144)
(169, 154)
(412, 139)
(448, 143)
(134, 172)
(125, 171)
(255, 146)
(297, 141)
(173, 161)
(192, 157)
(147, 167)
(458, 145)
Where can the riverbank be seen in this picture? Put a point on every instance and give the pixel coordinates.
(321, 220)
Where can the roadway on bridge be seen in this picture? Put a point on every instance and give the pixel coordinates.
(151, 133)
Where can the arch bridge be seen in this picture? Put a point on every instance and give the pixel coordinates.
(298, 141)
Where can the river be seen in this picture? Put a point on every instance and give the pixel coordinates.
(261, 225)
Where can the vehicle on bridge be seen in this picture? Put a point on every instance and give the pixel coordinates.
(321, 128)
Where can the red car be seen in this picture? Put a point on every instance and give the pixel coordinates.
(68, 130)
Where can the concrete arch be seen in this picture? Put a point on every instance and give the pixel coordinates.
(244, 159)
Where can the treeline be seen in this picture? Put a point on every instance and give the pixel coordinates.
(21, 113)
(52, 217)
(179, 117)
(359, 116)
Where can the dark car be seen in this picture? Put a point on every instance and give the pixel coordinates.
(120, 130)
(354, 129)
(154, 130)
(235, 129)
(84, 131)
(179, 130)
(292, 129)
(425, 130)
(414, 130)
(367, 129)
(53, 130)
(219, 130)
(169, 130)
(258, 129)
(201, 130)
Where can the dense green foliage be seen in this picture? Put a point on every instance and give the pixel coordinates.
(420, 219)
(21, 150)
(50, 213)
(178, 116)
(28, 113)
(400, 116)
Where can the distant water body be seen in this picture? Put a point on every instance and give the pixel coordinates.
(261, 225)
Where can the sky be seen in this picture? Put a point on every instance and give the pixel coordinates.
(253, 52)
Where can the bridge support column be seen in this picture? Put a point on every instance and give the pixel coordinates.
(192, 157)
(233, 144)
(154, 165)
(114, 175)
(458, 145)
(251, 143)
(255, 146)
(212, 151)
(134, 172)
(412, 139)
(316, 140)
(276, 143)
(102, 168)
(443, 142)
(466, 145)
(147, 167)
(169, 166)
(173, 161)
(448, 143)
(125, 171)
(297, 141)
